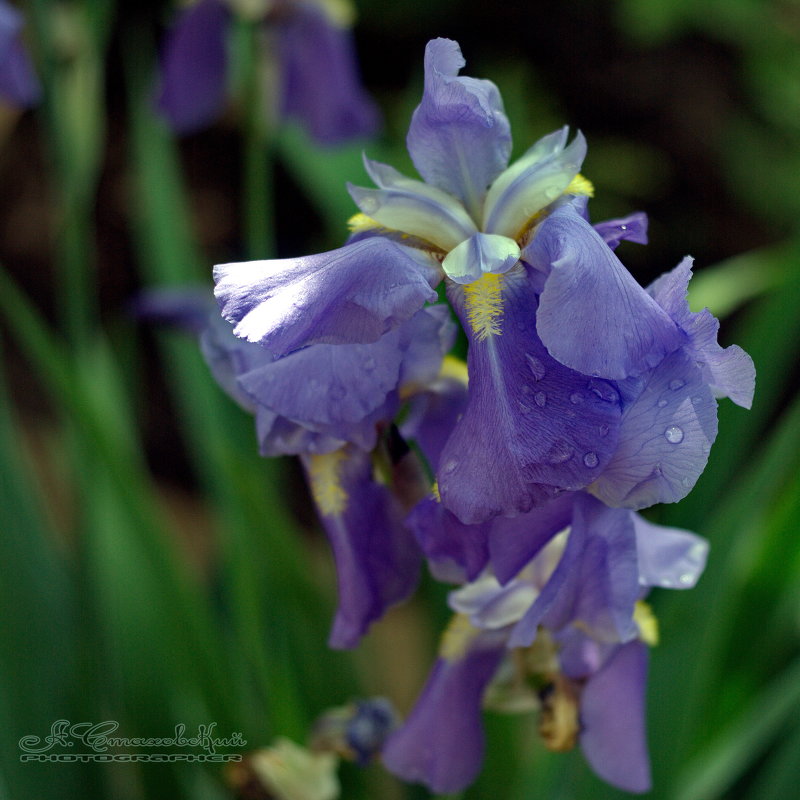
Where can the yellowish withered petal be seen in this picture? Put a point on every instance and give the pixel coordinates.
(558, 723)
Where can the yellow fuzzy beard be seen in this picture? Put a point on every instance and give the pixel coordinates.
(323, 472)
(484, 300)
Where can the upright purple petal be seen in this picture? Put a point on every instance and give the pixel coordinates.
(532, 427)
(456, 552)
(459, 138)
(377, 559)
(665, 437)
(730, 372)
(593, 316)
(441, 744)
(191, 90)
(352, 295)
(613, 728)
(319, 76)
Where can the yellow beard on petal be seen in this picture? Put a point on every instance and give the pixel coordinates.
(484, 300)
(326, 488)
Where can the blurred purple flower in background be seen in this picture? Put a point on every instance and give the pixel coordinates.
(307, 42)
(19, 85)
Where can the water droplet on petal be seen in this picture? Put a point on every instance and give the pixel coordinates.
(676, 384)
(605, 392)
(590, 459)
(604, 430)
(686, 579)
(369, 205)
(536, 366)
(686, 482)
(661, 403)
(559, 452)
(575, 398)
(674, 434)
(449, 467)
(540, 398)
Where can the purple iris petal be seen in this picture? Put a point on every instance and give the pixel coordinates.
(730, 371)
(456, 552)
(665, 437)
(612, 712)
(596, 582)
(632, 228)
(668, 557)
(320, 85)
(279, 436)
(377, 559)
(351, 295)
(441, 744)
(328, 383)
(191, 91)
(593, 316)
(532, 427)
(459, 138)
(514, 542)
(432, 415)
(425, 340)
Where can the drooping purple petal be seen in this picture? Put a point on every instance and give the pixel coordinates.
(191, 91)
(327, 384)
(668, 557)
(319, 77)
(613, 727)
(425, 340)
(455, 552)
(632, 228)
(593, 316)
(665, 437)
(279, 436)
(352, 295)
(608, 585)
(459, 138)
(596, 581)
(730, 371)
(532, 427)
(441, 744)
(513, 542)
(432, 415)
(377, 558)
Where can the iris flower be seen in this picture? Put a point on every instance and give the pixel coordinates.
(307, 41)
(578, 376)
(577, 601)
